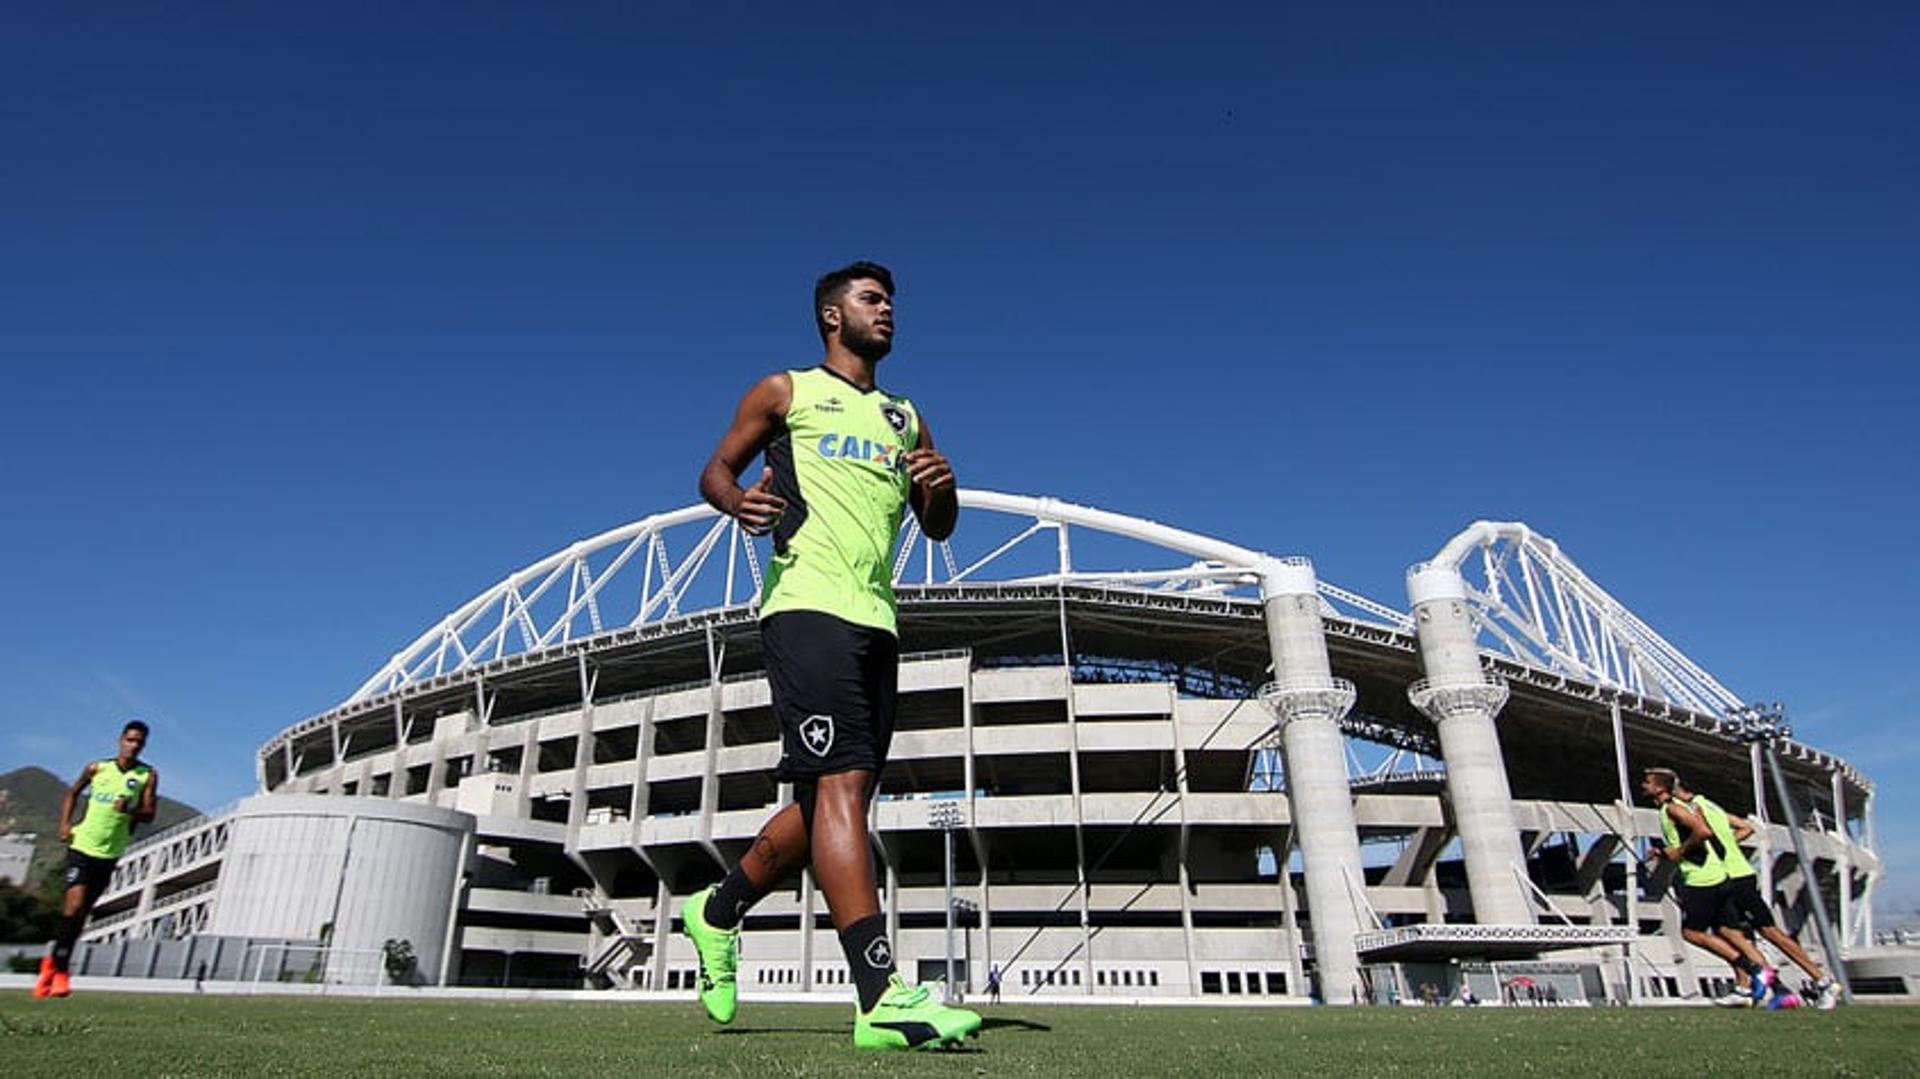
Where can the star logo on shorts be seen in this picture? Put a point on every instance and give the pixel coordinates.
(816, 733)
(880, 954)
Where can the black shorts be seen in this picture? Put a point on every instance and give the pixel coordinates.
(1746, 908)
(85, 869)
(1702, 908)
(834, 685)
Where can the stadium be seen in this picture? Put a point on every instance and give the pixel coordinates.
(1132, 762)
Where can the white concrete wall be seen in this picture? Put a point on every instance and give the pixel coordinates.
(375, 868)
(16, 851)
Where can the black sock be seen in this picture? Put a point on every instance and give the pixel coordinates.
(869, 957)
(1748, 965)
(731, 900)
(63, 944)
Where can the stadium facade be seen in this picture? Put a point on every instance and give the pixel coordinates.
(1207, 772)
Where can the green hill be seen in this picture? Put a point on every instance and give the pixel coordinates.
(30, 802)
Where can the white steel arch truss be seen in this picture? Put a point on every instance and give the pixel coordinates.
(692, 560)
(1534, 605)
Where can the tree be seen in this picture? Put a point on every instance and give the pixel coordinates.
(27, 916)
(400, 961)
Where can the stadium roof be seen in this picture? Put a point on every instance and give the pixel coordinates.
(640, 597)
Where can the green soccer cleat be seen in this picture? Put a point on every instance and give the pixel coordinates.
(910, 1018)
(719, 957)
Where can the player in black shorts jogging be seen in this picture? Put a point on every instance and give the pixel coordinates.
(844, 458)
(119, 792)
(1747, 908)
(1702, 889)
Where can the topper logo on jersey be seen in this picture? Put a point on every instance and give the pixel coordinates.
(863, 451)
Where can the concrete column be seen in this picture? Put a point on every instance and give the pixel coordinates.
(1289, 920)
(436, 772)
(1186, 921)
(1842, 861)
(710, 768)
(968, 762)
(806, 930)
(529, 768)
(145, 905)
(397, 765)
(1763, 852)
(582, 760)
(1462, 700)
(1188, 939)
(1623, 829)
(1308, 704)
(643, 752)
(1080, 861)
(892, 901)
(1873, 879)
(662, 933)
(450, 945)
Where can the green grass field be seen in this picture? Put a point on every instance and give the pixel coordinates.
(151, 1036)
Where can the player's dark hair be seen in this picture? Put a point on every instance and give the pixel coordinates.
(135, 725)
(833, 284)
(1667, 778)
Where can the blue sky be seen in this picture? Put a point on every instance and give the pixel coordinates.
(317, 321)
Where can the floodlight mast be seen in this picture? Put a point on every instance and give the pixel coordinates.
(1763, 724)
(945, 815)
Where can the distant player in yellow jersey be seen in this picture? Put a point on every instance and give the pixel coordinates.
(844, 460)
(120, 792)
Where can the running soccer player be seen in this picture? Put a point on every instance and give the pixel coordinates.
(120, 791)
(843, 458)
(1703, 889)
(1743, 894)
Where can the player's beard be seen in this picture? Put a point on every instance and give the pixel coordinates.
(865, 343)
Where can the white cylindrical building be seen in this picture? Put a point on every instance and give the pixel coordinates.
(356, 871)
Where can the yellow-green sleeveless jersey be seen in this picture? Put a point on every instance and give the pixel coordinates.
(1701, 869)
(840, 464)
(103, 832)
(1722, 828)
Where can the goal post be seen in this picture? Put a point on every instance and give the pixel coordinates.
(281, 964)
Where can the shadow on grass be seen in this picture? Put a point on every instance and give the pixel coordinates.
(1013, 1024)
(842, 1032)
(754, 1032)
